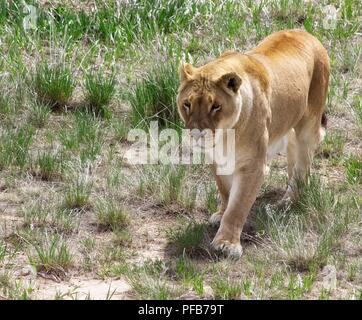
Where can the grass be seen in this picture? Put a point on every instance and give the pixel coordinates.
(188, 237)
(149, 288)
(110, 215)
(36, 215)
(14, 289)
(211, 199)
(357, 102)
(306, 235)
(171, 182)
(120, 129)
(333, 146)
(51, 256)
(73, 87)
(53, 83)
(14, 146)
(153, 98)
(48, 166)
(84, 137)
(353, 167)
(54, 219)
(99, 91)
(131, 24)
(148, 282)
(226, 289)
(7, 106)
(39, 115)
(77, 195)
(2, 251)
(190, 275)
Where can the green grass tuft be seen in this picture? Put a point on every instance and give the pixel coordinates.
(153, 98)
(226, 289)
(77, 195)
(111, 215)
(99, 92)
(53, 83)
(187, 237)
(353, 167)
(15, 145)
(39, 115)
(48, 166)
(51, 255)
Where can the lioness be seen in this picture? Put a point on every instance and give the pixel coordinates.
(270, 95)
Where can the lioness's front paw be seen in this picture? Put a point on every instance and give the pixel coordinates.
(232, 250)
(215, 219)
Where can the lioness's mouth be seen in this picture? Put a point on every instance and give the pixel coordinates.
(204, 144)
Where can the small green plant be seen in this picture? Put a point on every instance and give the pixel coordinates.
(333, 145)
(148, 281)
(99, 91)
(148, 288)
(211, 198)
(51, 255)
(77, 195)
(87, 249)
(172, 180)
(36, 215)
(324, 294)
(357, 103)
(63, 221)
(7, 107)
(14, 146)
(14, 289)
(111, 215)
(154, 98)
(120, 129)
(298, 286)
(187, 271)
(51, 218)
(122, 237)
(353, 167)
(189, 237)
(2, 251)
(53, 83)
(226, 289)
(39, 114)
(84, 136)
(48, 165)
(187, 198)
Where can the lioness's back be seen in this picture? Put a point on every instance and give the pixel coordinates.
(288, 43)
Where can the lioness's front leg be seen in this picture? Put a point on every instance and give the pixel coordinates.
(245, 186)
(223, 185)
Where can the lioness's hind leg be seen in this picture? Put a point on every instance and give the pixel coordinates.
(291, 153)
(309, 130)
(292, 156)
(307, 138)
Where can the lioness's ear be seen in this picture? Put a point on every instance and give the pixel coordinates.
(230, 81)
(186, 71)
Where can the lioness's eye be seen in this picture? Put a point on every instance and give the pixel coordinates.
(216, 107)
(187, 105)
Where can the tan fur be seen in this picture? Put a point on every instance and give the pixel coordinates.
(279, 88)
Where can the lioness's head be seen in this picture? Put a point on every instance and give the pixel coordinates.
(208, 99)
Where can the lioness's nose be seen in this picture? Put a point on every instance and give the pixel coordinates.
(197, 134)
